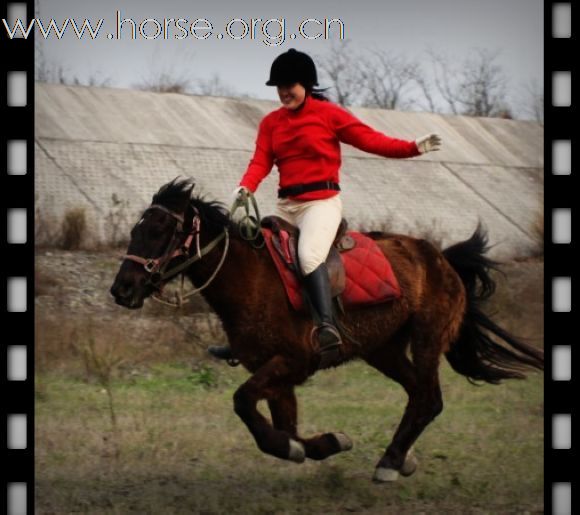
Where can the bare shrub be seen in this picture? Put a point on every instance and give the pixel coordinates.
(61, 342)
(215, 86)
(55, 348)
(74, 225)
(47, 229)
(102, 360)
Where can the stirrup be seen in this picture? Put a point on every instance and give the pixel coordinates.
(315, 341)
(329, 354)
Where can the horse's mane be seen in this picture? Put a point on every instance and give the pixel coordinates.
(177, 193)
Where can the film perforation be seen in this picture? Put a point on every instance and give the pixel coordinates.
(561, 261)
(17, 115)
(560, 74)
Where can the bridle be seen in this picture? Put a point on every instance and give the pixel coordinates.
(158, 268)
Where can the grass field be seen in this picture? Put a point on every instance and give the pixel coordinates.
(178, 447)
(128, 423)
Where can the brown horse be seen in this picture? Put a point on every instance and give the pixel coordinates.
(438, 313)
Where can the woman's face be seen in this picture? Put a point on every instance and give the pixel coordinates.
(292, 95)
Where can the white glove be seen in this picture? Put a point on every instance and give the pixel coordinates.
(428, 143)
(239, 192)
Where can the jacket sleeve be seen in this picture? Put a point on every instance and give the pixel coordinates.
(261, 163)
(349, 129)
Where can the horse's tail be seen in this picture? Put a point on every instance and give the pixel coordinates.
(475, 354)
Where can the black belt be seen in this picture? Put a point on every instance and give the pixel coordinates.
(298, 189)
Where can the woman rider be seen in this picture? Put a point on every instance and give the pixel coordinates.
(303, 139)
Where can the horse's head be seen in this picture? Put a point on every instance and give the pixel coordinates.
(159, 239)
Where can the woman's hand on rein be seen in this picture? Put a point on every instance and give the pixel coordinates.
(429, 143)
(239, 192)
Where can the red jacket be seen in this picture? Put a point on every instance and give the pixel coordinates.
(304, 145)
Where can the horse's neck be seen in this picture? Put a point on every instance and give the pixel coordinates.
(228, 288)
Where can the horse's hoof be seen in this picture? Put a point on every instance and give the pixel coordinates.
(297, 454)
(344, 442)
(384, 475)
(410, 464)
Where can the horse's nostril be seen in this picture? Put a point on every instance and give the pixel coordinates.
(120, 290)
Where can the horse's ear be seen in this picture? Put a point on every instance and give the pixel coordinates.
(187, 195)
(190, 189)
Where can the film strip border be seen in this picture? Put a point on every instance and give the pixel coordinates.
(561, 111)
(17, 157)
(17, 190)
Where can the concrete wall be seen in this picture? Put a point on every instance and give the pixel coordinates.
(94, 143)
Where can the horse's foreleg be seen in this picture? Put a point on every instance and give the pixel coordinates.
(284, 416)
(268, 383)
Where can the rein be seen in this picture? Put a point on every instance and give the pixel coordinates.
(249, 224)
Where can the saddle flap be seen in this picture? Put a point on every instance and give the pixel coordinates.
(285, 245)
(283, 238)
(336, 272)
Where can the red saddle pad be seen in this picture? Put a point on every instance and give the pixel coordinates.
(369, 275)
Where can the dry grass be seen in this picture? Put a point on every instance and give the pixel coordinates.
(179, 448)
(176, 446)
(136, 344)
(46, 284)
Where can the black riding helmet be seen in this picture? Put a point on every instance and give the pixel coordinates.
(291, 67)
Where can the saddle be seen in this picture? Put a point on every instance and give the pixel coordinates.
(284, 240)
(359, 272)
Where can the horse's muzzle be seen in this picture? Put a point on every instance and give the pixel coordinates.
(126, 297)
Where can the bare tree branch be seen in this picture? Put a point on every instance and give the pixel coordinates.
(425, 88)
(389, 81)
(341, 67)
(475, 88)
(214, 87)
(533, 101)
(165, 82)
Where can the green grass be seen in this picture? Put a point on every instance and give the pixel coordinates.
(178, 447)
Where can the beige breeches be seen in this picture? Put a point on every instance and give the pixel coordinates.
(318, 221)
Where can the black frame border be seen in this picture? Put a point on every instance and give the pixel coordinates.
(559, 192)
(18, 192)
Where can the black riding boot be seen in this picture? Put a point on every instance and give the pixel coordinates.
(318, 288)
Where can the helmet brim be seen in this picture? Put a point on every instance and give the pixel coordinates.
(279, 83)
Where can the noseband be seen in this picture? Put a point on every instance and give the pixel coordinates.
(157, 267)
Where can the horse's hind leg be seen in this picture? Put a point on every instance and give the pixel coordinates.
(285, 418)
(267, 383)
(421, 382)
